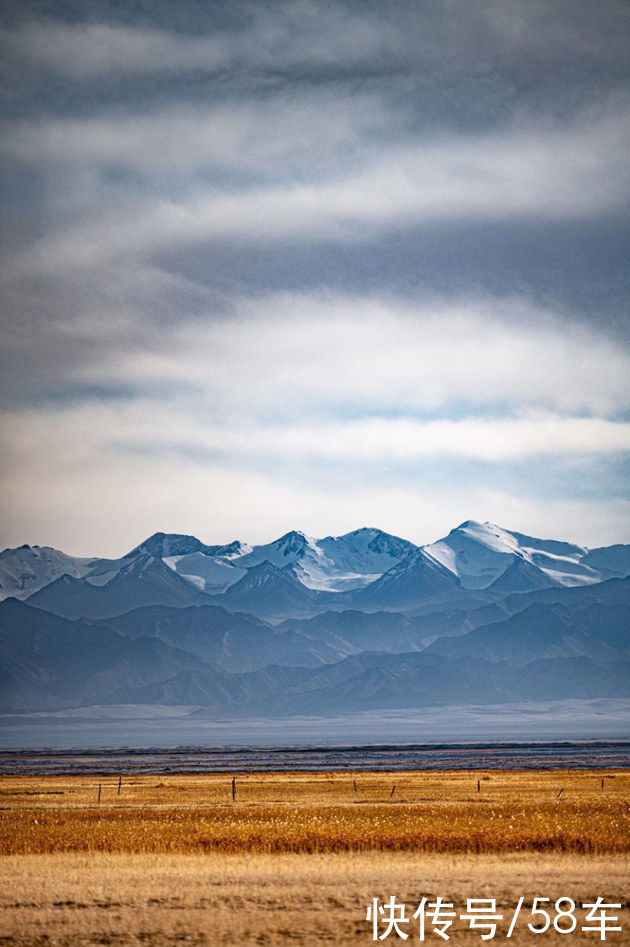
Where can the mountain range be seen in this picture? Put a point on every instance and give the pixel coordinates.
(300, 625)
(368, 566)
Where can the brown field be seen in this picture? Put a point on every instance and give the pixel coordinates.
(297, 857)
(554, 811)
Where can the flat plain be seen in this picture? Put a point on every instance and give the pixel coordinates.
(297, 857)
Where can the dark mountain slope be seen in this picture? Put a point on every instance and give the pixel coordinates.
(415, 580)
(520, 576)
(455, 621)
(353, 630)
(48, 662)
(270, 592)
(543, 631)
(143, 581)
(51, 661)
(234, 641)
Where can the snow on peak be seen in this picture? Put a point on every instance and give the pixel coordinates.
(294, 541)
(232, 550)
(27, 569)
(476, 553)
(281, 552)
(479, 553)
(335, 563)
(167, 544)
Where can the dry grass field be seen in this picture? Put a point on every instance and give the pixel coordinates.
(297, 857)
(554, 811)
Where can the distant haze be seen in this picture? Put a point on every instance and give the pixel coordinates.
(315, 628)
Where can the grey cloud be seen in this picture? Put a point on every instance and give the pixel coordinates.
(336, 354)
(172, 170)
(446, 67)
(566, 173)
(311, 32)
(289, 133)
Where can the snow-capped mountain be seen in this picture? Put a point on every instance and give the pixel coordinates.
(480, 558)
(285, 551)
(28, 568)
(210, 574)
(364, 554)
(208, 568)
(317, 626)
(161, 545)
(143, 580)
(271, 592)
(480, 554)
(334, 563)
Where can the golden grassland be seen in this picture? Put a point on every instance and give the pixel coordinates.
(550, 811)
(98, 898)
(297, 857)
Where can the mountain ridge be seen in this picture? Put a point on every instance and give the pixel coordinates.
(366, 569)
(234, 665)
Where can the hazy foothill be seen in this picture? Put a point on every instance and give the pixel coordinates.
(315, 627)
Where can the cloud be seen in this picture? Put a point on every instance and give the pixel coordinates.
(324, 353)
(271, 136)
(150, 426)
(297, 33)
(237, 459)
(286, 351)
(521, 173)
(65, 492)
(165, 169)
(303, 34)
(394, 440)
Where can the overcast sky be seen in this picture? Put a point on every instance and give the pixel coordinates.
(314, 265)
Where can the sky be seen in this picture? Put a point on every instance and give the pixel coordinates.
(313, 264)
